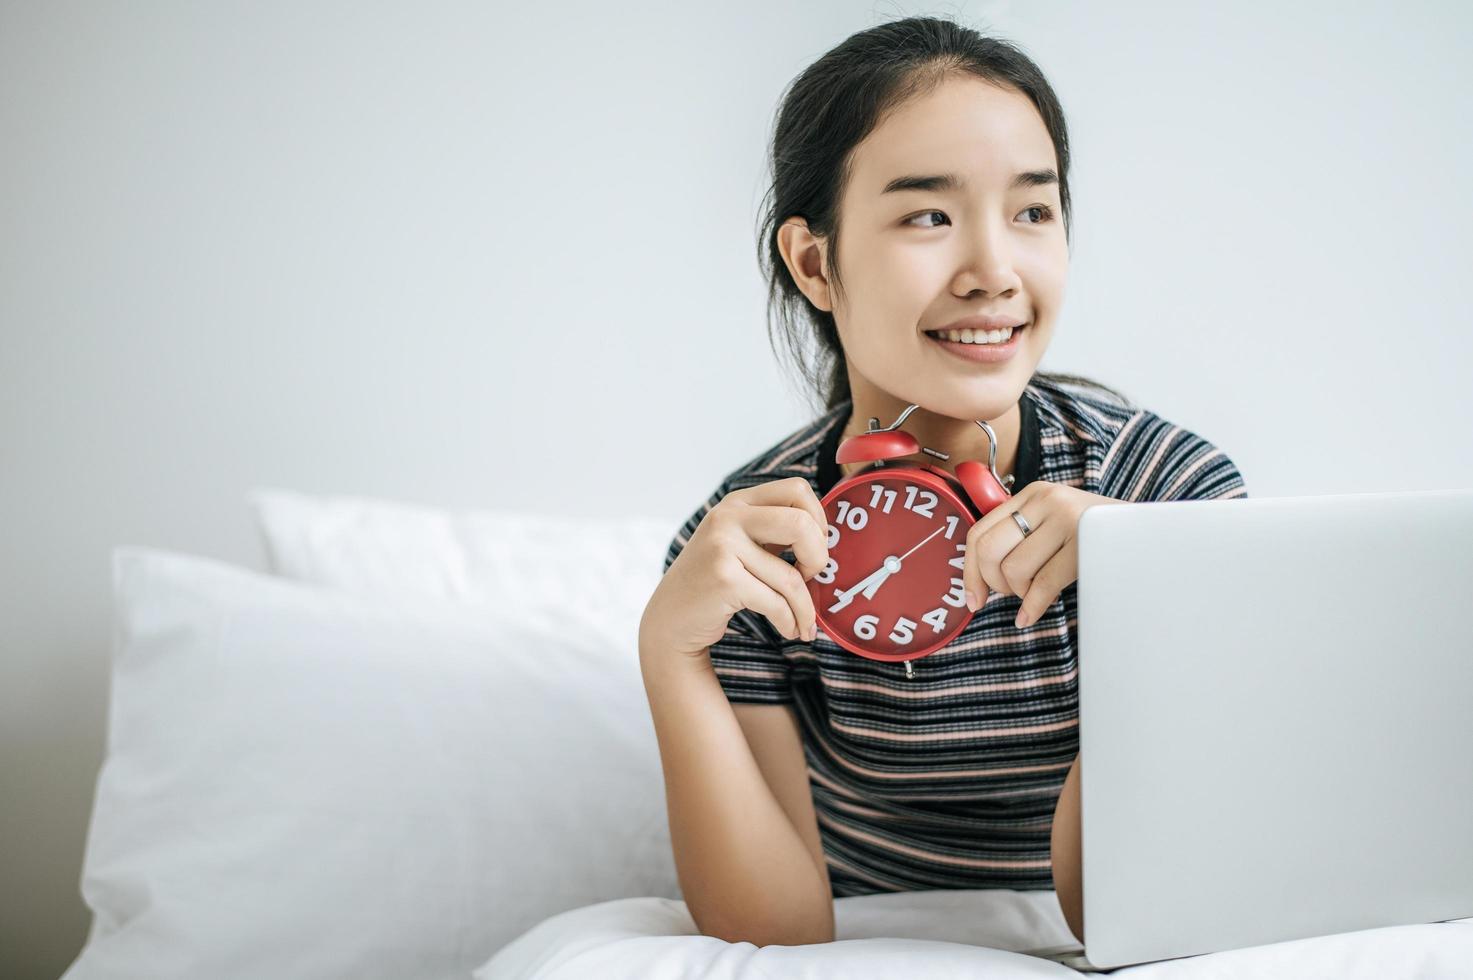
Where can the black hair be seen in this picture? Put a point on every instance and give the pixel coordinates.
(828, 110)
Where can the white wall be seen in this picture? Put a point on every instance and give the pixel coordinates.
(502, 256)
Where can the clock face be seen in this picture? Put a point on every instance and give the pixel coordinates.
(892, 588)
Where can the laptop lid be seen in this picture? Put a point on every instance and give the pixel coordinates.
(1276, 719)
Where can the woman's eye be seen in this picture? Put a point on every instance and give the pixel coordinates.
(924, 214)
(1047, 215)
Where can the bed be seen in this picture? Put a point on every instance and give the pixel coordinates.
(939, 934)
(402, 752)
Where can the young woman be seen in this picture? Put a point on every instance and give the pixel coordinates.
(930, 166)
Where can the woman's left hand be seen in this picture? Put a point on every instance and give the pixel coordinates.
(1037, 567)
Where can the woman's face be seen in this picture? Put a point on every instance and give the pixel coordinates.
(915, 260)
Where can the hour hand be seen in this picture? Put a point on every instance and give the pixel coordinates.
(869, 590)
(867, 585)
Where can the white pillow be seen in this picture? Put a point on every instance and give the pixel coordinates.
(300, 783)
(547, 569)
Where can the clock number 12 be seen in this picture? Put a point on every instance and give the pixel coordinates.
(926, 509)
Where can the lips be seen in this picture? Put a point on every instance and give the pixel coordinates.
(982, 353)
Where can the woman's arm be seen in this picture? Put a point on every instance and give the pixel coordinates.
(776, 740)
(1065, 851)
(746, 873)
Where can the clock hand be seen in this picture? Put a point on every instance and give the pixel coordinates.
(847, 596)
(928, 538)
(889, 569)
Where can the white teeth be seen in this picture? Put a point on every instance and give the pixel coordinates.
(976, 336)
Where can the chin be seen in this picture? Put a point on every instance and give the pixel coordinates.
(970, 405)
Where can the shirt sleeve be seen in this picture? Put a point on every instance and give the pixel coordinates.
(748, 659)
(1155, 460)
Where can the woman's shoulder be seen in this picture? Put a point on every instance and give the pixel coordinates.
(1138, 454)
(1085, 411)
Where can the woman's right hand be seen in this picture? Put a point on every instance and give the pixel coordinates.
(732, 562)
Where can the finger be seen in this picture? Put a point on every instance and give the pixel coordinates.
(976, 576)
(1046, 586)
(792, 492)
(1020, 566)
(1006, 560)
(1002, 513)
(788, 527)
(972, 582)
(987, 546)
(778, 592)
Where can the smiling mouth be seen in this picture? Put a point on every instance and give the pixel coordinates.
(947, 336)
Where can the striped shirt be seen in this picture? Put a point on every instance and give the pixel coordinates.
(949, 779)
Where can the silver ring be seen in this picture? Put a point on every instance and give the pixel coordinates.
(1022, 523)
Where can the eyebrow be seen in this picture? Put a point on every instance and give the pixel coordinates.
(952, 182)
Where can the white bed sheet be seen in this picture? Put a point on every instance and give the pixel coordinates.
(931, 935)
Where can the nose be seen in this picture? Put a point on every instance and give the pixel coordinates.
(988, 262)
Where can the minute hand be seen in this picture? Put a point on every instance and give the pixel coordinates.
(888, 569)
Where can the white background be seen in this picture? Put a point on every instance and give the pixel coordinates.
(483, 255)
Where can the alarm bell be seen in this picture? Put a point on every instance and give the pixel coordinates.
(983, 486)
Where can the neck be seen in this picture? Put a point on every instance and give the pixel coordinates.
(959, 438)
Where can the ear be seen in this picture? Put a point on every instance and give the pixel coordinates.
(806, 258)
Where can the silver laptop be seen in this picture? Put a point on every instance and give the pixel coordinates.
(1276, 720)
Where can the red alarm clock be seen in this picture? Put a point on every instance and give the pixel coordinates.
(897, 538)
